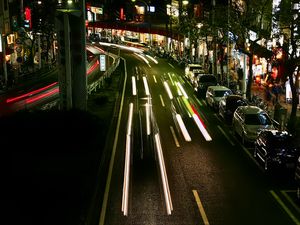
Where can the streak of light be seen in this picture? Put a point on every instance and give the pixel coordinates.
(188, 107)
(143, 58)
(166, 189)
(201, 208)
(133, 49)
(202, 128)
(129, 124)
(154, 79)
(30, 93)
(92, 68)
(133, 85)
(127, 163)
(182, 90)
(148, 118)
(174, 137)
(171, 79)
(153, 59)
(179, 92)
(162, 101)
(38, 97)
(146, 86)
(183, 129)
(168, 90)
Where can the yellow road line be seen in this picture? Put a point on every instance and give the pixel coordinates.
(200, 206)
(286, 209)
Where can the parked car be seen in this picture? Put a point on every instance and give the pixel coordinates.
(248, 120)
(275, 147)
(203, 81)
(229, 103)
(214, 95)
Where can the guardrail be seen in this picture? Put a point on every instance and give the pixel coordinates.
(100, 82)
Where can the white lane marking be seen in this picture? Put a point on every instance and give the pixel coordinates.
(162, 101)
(200, 207)
(197, 100)
(171, 65)
(292, 202)
(215, 115)
(154, 79)
(174, 137)
(182, 90)
(226, 136)
(148, 118)
(251, 157)
(285, 208)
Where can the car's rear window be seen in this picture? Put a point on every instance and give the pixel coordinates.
(222, 93)
(257, 119)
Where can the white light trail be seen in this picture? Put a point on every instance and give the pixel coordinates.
(166, 189)
(171, 79)
(153, 59)
(143, 58)
(146, 86)
(183, 129)
(133, 85)
(182, 90)
(127, 163)
(202, 128)
(148, 118)
(168, 90)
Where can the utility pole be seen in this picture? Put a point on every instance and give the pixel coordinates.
(70, 22)
(228, 41)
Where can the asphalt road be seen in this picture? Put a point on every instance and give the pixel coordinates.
(210, 182)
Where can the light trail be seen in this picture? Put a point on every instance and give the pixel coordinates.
(164, 177)
(143, 58)
(127, 163)
(183, 129)
(148, 118)
(146, 86)
(38, 97)
(182, 90)
(9, 100)
(202, 128)
(168, 90)
(133, 81)
(173, 83)
(153, 59)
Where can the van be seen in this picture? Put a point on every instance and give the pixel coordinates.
(214, 95)
(192, 71)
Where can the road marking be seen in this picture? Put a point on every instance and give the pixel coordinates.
(162, 101)
(174, 137)
(171, 65)
(200, 207)
(197, 100)
(215, 115)
(286, 209)
(154, 79)
(226, 136)
(284, 192)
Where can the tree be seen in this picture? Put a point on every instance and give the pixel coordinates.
(255, 16)
(286, 26)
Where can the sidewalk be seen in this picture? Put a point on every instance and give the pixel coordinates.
(260, 91)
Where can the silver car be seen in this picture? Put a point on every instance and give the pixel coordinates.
(248, 121)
